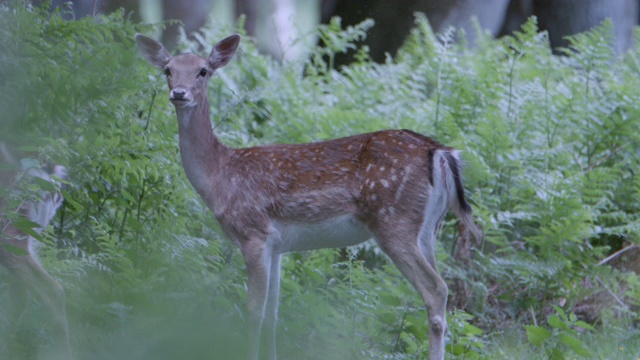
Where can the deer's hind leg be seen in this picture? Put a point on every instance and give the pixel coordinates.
(402, 245)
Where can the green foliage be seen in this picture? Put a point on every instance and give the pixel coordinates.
(466, 338)
(551, 145)
(563, 337)
(335, 40)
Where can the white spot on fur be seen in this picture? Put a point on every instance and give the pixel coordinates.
(405, 172)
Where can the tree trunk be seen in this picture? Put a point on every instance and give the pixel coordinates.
(394, 20)
(192, 14)
(131, 8)
(567, 17)
(251, 11)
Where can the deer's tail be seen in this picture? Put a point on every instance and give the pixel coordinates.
(457, 200)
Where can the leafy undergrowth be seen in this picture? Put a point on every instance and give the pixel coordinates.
(551, 150)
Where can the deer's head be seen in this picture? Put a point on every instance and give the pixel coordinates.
(187, 74)
(43, 211)
(43, 206)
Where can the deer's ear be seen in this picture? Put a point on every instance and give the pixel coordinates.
(223, 51)
(153, 51)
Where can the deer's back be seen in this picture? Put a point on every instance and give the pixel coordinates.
(362, 176)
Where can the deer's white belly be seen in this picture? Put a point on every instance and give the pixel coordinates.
(336, 232)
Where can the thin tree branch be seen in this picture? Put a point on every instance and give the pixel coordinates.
(617, 253)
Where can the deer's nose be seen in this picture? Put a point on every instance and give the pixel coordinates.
(178, 94)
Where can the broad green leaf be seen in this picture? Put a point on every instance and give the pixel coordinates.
(557, 323)
(537, 335)
(472, 330)
(72, 202)
(554, 320)
(455, 349)
(410, 342)
(556, 354)
(26, 226)
(584, 325)
(14, 249)
(575, 344)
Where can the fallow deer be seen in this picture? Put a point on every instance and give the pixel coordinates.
(394, 186)
(19, 255)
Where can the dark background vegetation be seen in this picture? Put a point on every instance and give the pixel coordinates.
(394, 19)
(550, 140)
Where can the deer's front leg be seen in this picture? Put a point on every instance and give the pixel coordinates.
(258, 262)
(271, 317)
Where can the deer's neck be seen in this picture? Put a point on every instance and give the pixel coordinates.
(202, 154)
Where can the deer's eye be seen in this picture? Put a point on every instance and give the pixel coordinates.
(167, 72)
(203, 72)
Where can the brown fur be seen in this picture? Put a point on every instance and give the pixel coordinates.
(394, 186)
